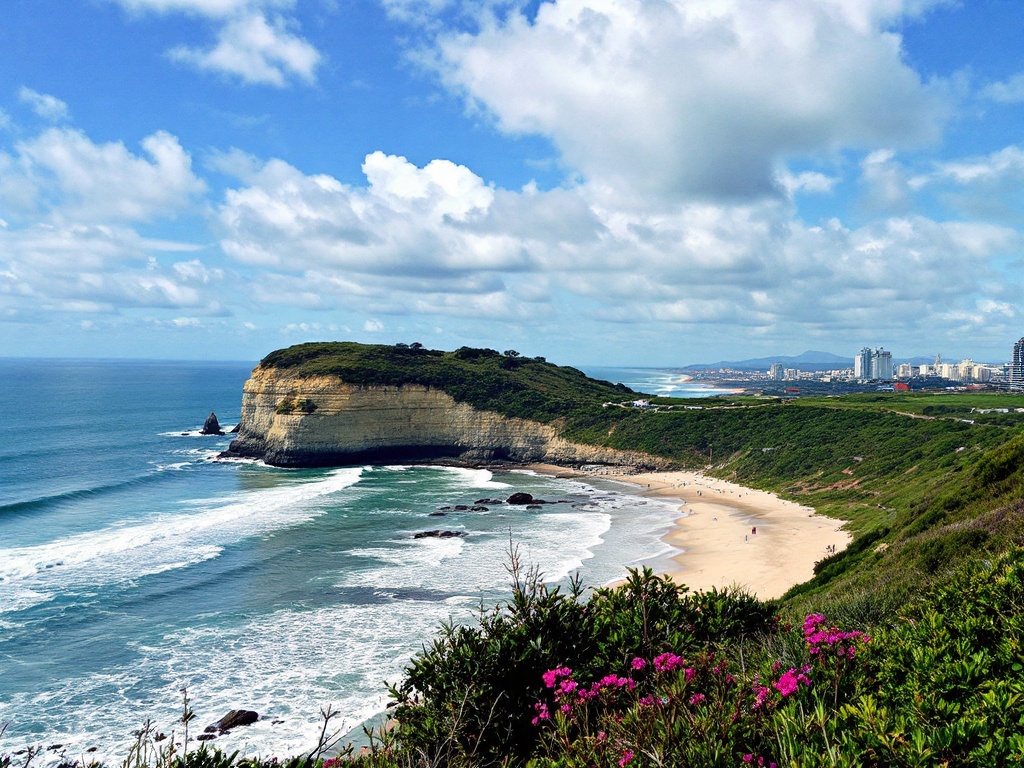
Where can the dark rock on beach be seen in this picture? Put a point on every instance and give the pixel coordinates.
(235, 718)
(524, 498)
(438, 514)
(479, 508)
(439, 534)
(236, 429)
(206, 737)
(211, 426)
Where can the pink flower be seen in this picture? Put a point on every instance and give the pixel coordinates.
(689, 673)
(790, 682)
(819, 637)
(626, 757)
(552, 676)
(696, 699)
(668, 662)
(542, 713)
(639, 663)
(760, 696)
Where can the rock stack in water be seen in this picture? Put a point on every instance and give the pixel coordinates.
(211, 426)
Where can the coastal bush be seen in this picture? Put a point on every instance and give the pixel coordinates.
(470, 697)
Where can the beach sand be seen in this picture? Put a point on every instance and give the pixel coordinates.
(716, 536)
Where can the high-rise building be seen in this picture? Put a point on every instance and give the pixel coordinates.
(775, 372)
(1017, 365)
(873, 364)
(881, 365)
(862, 364)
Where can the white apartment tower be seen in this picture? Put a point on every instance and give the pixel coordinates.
(1017, 366)
(873, 364)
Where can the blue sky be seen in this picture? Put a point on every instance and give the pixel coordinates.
(646, 182)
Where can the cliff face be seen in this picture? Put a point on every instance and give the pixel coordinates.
(332, 423)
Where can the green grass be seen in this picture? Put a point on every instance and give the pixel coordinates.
(506, 383)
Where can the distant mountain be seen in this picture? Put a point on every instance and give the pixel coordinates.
(810, 360)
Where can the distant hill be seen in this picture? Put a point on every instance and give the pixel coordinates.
(810, 360)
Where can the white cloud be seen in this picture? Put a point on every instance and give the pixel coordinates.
(887, 184)
(81, 268)
(439, 241)
(62, 169)
(1009, 91)
(811, 182)
(257, 40)
(257, 50)
(697, 98)
(373, 326)
(1007, 163)
(70, 244)
(47, 107)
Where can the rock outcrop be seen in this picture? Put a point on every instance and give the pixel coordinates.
(211, 426)
(309, 421)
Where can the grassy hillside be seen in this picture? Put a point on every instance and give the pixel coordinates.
(507, 383)
(925, 479)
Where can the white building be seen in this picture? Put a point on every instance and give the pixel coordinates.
(873, 364)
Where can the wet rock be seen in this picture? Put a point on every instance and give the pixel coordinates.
(436, 534)
(93, 749)
(54, 747)
(206, 737)
(438, 514)
(160, 737)
(488, 501)
(235, 718)
(533, 506)
(236, 429)
(211, 426)
(461, 508)
(524, 498)
(478, 508)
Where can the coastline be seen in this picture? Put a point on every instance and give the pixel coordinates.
(728, 535)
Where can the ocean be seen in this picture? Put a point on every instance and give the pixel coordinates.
(135, 565)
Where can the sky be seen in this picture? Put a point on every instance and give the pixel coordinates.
(600, 182)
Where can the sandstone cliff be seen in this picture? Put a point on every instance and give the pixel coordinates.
(295, 420)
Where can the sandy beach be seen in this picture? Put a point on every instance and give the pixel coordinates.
(731, 536)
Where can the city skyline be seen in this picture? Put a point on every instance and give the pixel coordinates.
(594, 181)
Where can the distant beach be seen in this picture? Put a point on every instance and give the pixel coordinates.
(731, 536)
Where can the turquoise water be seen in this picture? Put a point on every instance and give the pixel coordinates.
(133, 563)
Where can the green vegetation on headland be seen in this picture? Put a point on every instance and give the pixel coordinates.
(507, 383)
(906, 649)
